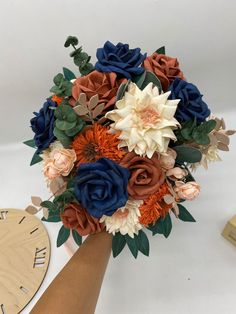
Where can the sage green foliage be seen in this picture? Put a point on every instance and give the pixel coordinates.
(138, 243)
(187, 154)
(81, 58)
(162, 226)
(191, 132)
(62, 87)
(145, 78)
(67, 125)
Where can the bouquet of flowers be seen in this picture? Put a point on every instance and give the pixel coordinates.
(117, 144)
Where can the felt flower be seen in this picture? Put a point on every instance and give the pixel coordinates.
(145, 119)
(60, 162)
(191, 105)
(167, 160)
(187, 191)
(57, 99)
(77, 218)
(94, 143)
(146, 175)
(105, 85)
(125, 220)
(176, 173)
(43, 125)
(164, 67)
(154, 207)
(101, 187)
(120, 59)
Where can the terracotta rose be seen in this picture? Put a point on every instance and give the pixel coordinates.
(146, 175)
(164, 67)
(105, 85)
(76, 217)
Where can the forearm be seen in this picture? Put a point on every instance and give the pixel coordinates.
(76, 288)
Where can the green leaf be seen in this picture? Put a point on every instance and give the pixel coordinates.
(35, 159)
(201, 138)
(58, 79)
(48, 204)
(30, 143)
(187, 154)
(80, 58)
(86, 68)
(161, 50)
(71, 40)
(143, 243)
(65, 125)
(55, 218)
(132, 244)
(63, 235)
(76, 51)
(139, 79)
(77, 237)
(151, 78)
(68, 74)
(121, 91)
(184, 215)
(62, 137)
(157, 227)
(167, 225)
(56, 90)
(209, 126)
(118, 243)
(74, 131)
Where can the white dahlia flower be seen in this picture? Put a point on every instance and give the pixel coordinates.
(125, 220)
(145, 119)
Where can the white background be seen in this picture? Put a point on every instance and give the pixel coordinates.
(194, 270)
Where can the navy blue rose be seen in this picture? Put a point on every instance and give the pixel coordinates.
(120, 59)
(101, 187)
(191, 105)
(42, 125)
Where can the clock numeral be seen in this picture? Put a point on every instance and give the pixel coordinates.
(2, 307)
(40, 257)
(23, 289)
(31, 232)
(21, 220)
(3, 214)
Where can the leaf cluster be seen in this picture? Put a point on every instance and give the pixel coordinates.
(62, 87)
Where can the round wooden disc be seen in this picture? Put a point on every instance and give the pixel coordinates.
(24, 258)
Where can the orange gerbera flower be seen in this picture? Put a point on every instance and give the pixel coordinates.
(94, 143)
(154, 206)
(57, 99)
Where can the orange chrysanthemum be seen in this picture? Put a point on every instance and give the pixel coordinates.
(57, 99)
(154, 206)
(94, 143)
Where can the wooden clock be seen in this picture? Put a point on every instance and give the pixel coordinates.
(24, 258)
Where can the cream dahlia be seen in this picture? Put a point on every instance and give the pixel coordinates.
(145, 120)
(125, 220)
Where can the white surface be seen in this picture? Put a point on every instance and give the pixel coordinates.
(199, 32)
(193, 271)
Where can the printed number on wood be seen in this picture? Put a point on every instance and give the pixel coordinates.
(24, 258)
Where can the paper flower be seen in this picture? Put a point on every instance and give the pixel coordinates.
(42, 125)
(77, 218)
(125, 220)
(145, 119)
(191, 105)
(101, 187)
(164, 67)
(119, 59)
(94, 143)
(105, 85)
(146, 175)
(187, 191)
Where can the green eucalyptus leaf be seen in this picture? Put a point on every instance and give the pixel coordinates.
(139, 79)
(63, 236)
(121, 91)
(62, 137)
(77, 237)
(167, 225)
(55, 218)
(157, 227)
(74, 131)
(143, 243)
(35, 159)
(71, 40)
(161, 50)
(184, 215)
(187, 154)
(48, 204)
(151, 78)
(132, 244)
(86, 69)
(201, 138)
(118, 243)
(56, 90)
(76, 51)
(58, 79)
(65, 125)
(68, 74)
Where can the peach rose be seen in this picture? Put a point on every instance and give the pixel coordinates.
(188, 191)
(146, 175)
(77, 218)
(164, 67)
(167, 160)
(105, 85)
(176, 173)
(61, 162)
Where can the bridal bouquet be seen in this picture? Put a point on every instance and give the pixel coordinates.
(118, 144)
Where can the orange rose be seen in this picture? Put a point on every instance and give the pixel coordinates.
(76, 217)
(164, 67)
(105, 85)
